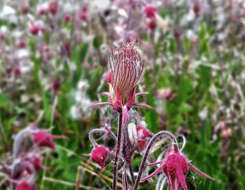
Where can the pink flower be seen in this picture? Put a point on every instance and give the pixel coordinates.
(16, 71)
(152, 24)
(175, 166)
(25, 186)
(21, 44)
(150, 11)
(126, 67)
(36, 162)
(34, 29)
(67, 18)
(83, 13)
(43, 138)
(143, 134)
(43, 11)
(53, 7)
(99, 154)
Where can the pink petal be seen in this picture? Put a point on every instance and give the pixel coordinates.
(152, 175)
(181, 177)
(200, 173)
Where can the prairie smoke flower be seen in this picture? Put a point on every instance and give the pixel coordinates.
(34, 29)
(150, 11)
(126, 67)
(142, 135)
(43, 138)
(99, 155)
(25, 186)
(175, 166)
(67, 18)
(53, 7)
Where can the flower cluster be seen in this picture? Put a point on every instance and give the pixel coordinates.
(27, 156)
(126, 67)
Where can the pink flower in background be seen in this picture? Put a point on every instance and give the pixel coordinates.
(43, 138)
(142, 135)
(23, 185)
(21, 44)
(34, 29)
(150, 11)
(53, 7)
(67, 18)
(175, 166)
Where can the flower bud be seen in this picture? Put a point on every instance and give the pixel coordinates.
(99, 155)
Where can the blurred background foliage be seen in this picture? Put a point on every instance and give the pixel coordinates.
(194, 74)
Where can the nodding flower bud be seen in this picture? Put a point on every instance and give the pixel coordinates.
(25, 186)
(43, 138)
(99, 154)
(175, 166)
(126, 68)
(34, 29)
(53, 7)
(150, 11)
(142, 135)
(36, 162)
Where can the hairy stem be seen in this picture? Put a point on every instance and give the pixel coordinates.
(131, 173)
(119, 134)
(153, 139)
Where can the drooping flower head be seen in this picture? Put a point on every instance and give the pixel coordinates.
(43, 138)
(126, 68)
(25, 186)
(99, 155)
(175, 166)
(143, 134)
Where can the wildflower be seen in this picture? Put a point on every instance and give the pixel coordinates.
(25, 186)
(99, 155)
(34, 29)
(152, 24)
(142, 135)
(67, 18)
(36, 162)
(83, 13)
(43, 138)
(21, 44)
(175, 166)
(150, 11)
(16, 71)
(53, 7)
(126, 67)
(42, 11)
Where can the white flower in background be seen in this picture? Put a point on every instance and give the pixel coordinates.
(203, 114)
(80, 110)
